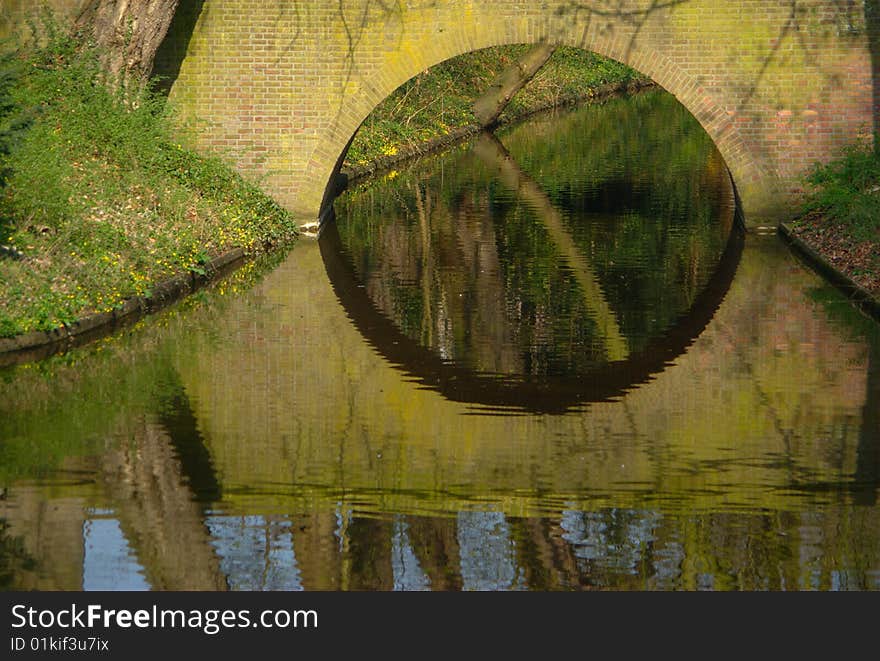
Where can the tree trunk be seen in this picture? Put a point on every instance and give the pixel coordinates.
(128, 32)
(489, 106)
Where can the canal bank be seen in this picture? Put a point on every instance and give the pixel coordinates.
(384, 163)
(105, 208)
(848, 270)
(219, 248)
(837, 229)
(60, 310)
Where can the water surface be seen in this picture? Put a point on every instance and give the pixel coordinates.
(542, 361)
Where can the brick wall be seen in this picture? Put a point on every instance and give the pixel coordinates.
(282, 85)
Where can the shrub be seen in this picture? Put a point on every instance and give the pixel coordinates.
(847, 190)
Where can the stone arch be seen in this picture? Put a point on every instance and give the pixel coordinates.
(745, 168)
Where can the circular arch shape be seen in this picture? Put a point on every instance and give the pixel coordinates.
(746, 169)
(537, 395)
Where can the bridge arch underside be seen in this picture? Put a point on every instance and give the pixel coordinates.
(775, 87)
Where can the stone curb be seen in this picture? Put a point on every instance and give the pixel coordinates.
(861, 297)
(37, 344)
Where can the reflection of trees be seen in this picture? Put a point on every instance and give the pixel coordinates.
(438, 278)
(367, 563)
(867, 473)
(546, 560)
(605, 549)
(435, 544)
(493, 153)
(157, 511)
(255, 552)
(611, 246)
(318, 550)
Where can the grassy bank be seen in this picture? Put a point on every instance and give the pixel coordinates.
(841, 216)
(439, 101)
(101, 197)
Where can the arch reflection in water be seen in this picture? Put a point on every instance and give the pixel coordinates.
(504, 289)
(253, 440)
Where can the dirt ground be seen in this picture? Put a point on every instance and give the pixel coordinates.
(859, 260)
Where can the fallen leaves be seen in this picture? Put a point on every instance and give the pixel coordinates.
(859, 260)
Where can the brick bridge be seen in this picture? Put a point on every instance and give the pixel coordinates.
(283, 85)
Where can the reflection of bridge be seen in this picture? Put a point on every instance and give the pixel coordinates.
(619, 369)
(284, 85)
(356, 478)
(540, 395)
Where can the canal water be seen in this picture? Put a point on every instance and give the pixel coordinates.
(548, 359)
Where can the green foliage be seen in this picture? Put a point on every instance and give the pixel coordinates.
(847, 190)
(13, 121)
(103, 192)
(438, 101)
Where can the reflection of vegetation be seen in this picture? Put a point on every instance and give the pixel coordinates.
(14, 558)
(845, 316)
(647, 195)
(450, 253)
(570, 256)
(55, 409)
(647, 493)
(39, 428)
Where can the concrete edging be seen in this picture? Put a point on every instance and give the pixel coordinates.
(858, 295)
